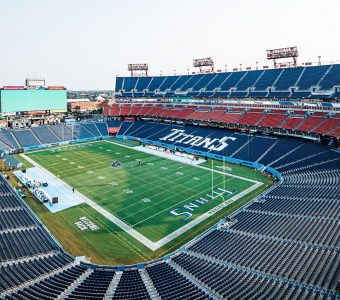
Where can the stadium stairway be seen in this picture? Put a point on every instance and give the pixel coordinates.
(287, 154)
(265, 153)
(283, 121)
(113, 285)
(194, 281)
(148, 284)
(16, 140)
(75, 283)
(54, 133)
(37, 137)
(244, 145)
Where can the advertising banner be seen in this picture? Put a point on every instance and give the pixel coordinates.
(13, 87)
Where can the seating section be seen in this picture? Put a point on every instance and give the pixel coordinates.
(229, 118)
(282, 245)
(220, 84)
(80, 131)
(94, 286)
(45, 135)
(213, 115)
(26, 138)
(197, 115)
(63, 132)
(170, 284)
(7, 137)
(292, 122)
(272, 120)
(310, 123)
(328, 125)
(249, 118)
(131, 286)
(92, 128)
(20, 273)
(102, 127)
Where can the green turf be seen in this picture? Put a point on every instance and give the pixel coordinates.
(164, 188)
(144, 193)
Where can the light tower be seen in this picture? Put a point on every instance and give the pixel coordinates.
(276, 54)
(143, 68)
(204, 62)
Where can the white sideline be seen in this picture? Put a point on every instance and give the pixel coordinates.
(141, 238)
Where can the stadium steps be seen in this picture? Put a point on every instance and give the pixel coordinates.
(154, 133)
(48, 126)
(245, 74)
(265, 153)
(245, 144)
(148, 284)
(180, 88)
(302, 159)
(285, 154)
(37, 279)
(297, 81)
(194, 281)
(132, 133)
(332, 129)
(278, 77)
(4, 146)
(318, 125)
(219, 87)
(95, 124)
(127, 128)
(284, 121)
(87, 130)
(324, 75)
(260, 119)
(15, 139)
(242, 113)
(193, 87)
(113, 285)
(304, 119)
(254, 84)
(37, 137)
(210, 81)
(75, 284)
(170, 88)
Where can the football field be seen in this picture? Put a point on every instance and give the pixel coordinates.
(156, 198)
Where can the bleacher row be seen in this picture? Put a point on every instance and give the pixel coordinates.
(319, 122)
(304, 82)
(49, 134)
(282, 245)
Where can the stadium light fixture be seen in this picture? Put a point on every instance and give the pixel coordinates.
(138, 68)
(204, 62)
(275, 54)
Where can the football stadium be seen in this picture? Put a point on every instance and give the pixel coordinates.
(208, 184)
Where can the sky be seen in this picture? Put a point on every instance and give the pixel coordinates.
(84, 45)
